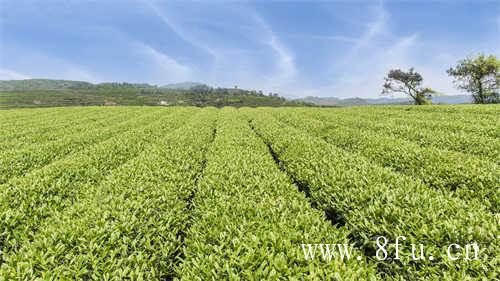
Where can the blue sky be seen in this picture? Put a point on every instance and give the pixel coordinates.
(295, 48)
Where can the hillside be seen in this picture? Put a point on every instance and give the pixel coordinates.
(52, 84)
(42, 84)
(52, 93)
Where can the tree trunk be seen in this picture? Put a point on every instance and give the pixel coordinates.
(480, 91)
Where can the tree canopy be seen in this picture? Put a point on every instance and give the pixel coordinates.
(479, 76)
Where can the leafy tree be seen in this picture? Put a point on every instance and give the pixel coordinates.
(408, 83)
(201, 89)
(479, 76)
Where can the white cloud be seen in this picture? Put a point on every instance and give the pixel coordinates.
(7, 74)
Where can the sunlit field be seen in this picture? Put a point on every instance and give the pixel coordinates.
(159, 193)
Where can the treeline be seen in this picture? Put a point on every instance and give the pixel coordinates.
(142, 88)
(52, 84)
(198, 96)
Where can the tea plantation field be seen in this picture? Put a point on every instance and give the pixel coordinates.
(184, 193)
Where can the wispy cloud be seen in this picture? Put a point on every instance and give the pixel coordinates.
(324, 48)
(285, 61)
(180, 31)
(7, 74)
(373, 29)
(360, 71)
(334, 38)
(157, 66)
(171, 70)
(361, 74)
(232, 61)
(37, 64)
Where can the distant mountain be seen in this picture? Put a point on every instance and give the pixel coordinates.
(183, 85)
(333, 101)
(455, 99)
(327, 101)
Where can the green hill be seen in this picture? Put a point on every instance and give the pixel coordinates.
(52, 93)
(42, 84)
